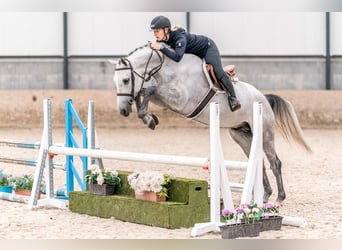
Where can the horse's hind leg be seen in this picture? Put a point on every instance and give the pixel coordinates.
(275, 163)
(243, 137)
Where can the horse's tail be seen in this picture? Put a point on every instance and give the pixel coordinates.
(286, 120)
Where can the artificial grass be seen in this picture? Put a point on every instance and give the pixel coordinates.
(186, 205)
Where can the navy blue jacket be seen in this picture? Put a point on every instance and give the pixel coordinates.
(184, 42)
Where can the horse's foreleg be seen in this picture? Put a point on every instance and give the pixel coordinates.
(149, 119)
(137, 101)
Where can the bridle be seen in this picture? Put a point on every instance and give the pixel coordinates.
(146, 76)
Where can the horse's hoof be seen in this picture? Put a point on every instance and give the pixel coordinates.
(149, 121)
(266, 197)
(155, 118)
(151, 124)
(280, 198)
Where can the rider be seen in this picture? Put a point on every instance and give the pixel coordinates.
(199, 45)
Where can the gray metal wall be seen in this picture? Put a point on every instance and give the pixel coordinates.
(271, 50)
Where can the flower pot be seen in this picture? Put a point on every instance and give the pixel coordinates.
(240, 230)
(103, 189)
(271, 223)
(26, 192)
(149, 196)
(6, 189)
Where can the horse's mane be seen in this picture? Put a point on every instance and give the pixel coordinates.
(141, 47)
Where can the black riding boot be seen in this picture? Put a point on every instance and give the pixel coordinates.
(233, 102)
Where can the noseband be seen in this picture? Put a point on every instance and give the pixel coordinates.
(146, 76)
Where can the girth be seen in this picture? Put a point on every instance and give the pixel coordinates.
(216, 85)
(202, 104)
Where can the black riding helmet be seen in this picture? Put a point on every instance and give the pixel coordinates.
(160, 22)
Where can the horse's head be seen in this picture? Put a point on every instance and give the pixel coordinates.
(131, 73)
(124, 85)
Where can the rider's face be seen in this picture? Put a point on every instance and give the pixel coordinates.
(160, 35)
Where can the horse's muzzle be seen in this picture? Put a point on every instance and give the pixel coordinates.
(124, 112)
(126, 109)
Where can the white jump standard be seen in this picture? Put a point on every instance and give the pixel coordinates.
(219, 183)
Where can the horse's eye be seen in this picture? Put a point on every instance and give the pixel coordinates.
(125, 80)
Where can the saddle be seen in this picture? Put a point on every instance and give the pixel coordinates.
(230, 71)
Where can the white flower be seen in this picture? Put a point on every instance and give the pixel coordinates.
(100, 179)
(146, 181)
(255, 210)
(97, 171)
(102, 176)
(246, 211)
(93, 167)
(111, 171)
(156, 187)
(171, 173)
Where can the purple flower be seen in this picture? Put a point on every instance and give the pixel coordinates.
(266, 216)
(240, 210)
(268, 205)
(226, 212)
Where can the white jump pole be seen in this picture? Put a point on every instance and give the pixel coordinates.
(92, 136)
(14, 197)
(130, 156)
(143, 157)
(253, 180)
(294, 221)
(91, 131)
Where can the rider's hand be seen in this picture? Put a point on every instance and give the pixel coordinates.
(230, 69)
(155, 46)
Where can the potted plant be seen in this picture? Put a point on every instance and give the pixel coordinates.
(150, 185)
(250, 213)
(271, 219)
(243, 221)
(5, 182)
(102, 181)
(23, 184)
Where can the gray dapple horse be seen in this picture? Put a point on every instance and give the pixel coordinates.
(146, 75)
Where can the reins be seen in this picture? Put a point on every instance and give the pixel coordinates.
(146, 76)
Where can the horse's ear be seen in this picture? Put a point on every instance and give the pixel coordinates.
(124, 62)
